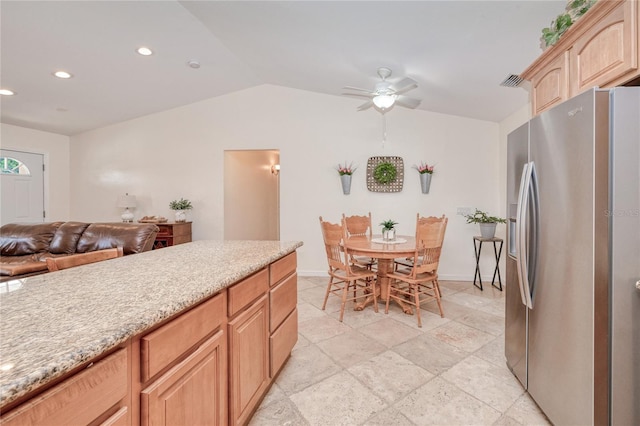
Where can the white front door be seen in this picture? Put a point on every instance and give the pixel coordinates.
(22, 190)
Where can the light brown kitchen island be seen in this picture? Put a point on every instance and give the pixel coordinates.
(193, 333)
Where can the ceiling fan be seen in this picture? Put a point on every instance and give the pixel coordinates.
(386, 94)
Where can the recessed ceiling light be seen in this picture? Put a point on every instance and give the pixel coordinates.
(145, 51)
(62, 74)
(193, 64)
(7, 92)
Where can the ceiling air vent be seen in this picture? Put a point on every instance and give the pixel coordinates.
(512, 80)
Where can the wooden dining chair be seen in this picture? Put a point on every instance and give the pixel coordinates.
(58, 263)
(407, 263)
(419, 283)
(359, 225)
(343, 276)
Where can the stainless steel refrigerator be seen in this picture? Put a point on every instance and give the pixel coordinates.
(572, 332)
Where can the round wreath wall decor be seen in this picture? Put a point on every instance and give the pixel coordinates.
(385, 173)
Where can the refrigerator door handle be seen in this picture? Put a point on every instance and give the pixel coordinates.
(532, 255)
(520, 231)
(532, 237)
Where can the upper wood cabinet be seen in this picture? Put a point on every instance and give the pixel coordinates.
(601, 49)
(550, 85)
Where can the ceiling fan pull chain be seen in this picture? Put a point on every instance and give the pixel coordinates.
(384, 129)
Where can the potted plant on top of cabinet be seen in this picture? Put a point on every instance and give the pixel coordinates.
(180, 207)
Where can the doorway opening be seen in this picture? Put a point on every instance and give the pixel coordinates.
(252, 195)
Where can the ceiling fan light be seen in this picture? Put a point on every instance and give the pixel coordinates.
(384, 101)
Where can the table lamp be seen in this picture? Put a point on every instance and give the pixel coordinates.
(127, 201)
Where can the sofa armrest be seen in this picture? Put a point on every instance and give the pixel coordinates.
(58, 263)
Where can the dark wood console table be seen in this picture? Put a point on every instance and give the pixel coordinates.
(172, 233)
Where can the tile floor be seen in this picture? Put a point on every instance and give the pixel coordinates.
(377, 369)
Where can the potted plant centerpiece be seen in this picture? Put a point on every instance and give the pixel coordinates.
(388, 230)
(180, 207)
(487, 223)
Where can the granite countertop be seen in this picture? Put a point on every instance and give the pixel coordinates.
(52, 323)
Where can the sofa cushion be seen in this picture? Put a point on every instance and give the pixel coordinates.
(133, 238)
(18, 239)
(66, 237)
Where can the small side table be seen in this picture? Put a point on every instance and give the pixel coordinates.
(477, 245)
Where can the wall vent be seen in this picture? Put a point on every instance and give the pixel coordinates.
(512, 80)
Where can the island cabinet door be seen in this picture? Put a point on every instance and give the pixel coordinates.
(248, 360)
(193, 392)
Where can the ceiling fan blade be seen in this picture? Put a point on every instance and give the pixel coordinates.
(365, 105)
(404, 85)
(408, 102)
(357, 89)
(359, 95)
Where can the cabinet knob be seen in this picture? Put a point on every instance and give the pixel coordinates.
(638, 285)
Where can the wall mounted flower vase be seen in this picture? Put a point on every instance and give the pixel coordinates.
(425, 182)
(346, 184)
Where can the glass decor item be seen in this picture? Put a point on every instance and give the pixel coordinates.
(181, 216)
(388, 230)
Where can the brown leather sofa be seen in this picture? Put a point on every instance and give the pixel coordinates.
(24, 248)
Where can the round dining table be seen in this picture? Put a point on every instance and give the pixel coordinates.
(385, 252)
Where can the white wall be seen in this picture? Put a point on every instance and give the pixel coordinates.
(55, 149)
(180, 153)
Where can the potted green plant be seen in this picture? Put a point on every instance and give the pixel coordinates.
(486, 222)
(573, 11)
(180, 207)
(388, 230)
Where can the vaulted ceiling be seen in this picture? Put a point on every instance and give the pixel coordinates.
(457, 51)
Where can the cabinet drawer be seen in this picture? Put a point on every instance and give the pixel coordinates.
(80, 399)
(282, 300)
(282, 342)
(162, 347)
(282, 267)
(247, 290)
